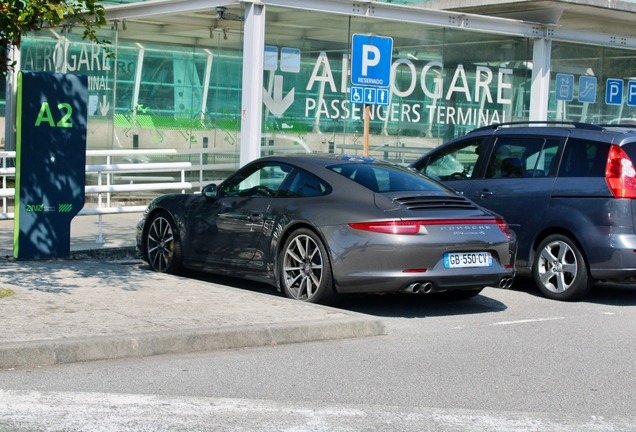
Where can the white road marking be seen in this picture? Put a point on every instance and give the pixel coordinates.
(528, 321)
(90, 412)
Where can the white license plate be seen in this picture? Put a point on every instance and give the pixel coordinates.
(468, 259)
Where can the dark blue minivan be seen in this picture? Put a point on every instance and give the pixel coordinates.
(567, 189)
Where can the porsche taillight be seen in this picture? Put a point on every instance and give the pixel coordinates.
(413, 226)
(391, 227)
(620, 173)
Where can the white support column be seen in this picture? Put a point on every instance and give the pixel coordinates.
(540, 92)
(206, 83)
(138, 74)
(252, 102)
(10, 115)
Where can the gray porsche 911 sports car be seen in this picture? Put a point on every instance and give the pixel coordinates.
(319, 225)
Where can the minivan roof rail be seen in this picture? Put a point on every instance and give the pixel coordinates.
(577, 125)
(619, 125)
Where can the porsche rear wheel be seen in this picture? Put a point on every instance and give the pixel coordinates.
(163, 249)
(305, 271)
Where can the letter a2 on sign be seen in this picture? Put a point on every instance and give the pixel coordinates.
(371, 58)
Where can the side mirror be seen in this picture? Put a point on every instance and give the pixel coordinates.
(209, 191)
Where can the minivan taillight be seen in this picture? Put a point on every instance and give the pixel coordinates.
(505, 228)
(620, 173)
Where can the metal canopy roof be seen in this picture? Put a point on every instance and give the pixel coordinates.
(194, 21)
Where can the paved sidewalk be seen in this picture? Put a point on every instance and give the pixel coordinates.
(117, 239)
(84, 309)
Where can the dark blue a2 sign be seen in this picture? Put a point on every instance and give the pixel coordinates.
(50, 162)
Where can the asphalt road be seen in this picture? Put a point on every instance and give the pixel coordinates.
(503, 361)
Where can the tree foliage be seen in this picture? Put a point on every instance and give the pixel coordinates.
(18, 17)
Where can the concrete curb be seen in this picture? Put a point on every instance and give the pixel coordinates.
(104, 254)
(54, 352)
(107, 254)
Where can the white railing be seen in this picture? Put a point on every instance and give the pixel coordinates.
(109, 176)
(105, 174)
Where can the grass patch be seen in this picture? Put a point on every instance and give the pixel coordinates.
(6, 292)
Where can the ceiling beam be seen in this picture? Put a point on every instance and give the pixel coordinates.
(381, 11)
(164, 7)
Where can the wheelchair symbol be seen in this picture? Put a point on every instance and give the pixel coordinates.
(357, 97)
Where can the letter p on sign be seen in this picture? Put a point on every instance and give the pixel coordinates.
(370, 57)
(371, 60)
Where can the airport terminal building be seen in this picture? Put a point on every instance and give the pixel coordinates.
(248, 78)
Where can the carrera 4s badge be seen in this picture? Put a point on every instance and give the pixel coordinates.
(467, 229)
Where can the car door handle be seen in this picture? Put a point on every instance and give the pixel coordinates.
(483, 194)
(256, 217)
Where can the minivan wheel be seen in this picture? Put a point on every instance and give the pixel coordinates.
(559, 269)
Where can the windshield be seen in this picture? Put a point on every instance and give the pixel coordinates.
(387, 178)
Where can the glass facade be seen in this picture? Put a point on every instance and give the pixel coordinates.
(151, 96)
(592, 84)
(445, 82)
(178, 97)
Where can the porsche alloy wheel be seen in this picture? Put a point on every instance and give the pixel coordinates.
(162, 245)
(305, 269)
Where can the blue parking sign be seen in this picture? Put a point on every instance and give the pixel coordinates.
(371, 60)
(631, 93)
(614, 92)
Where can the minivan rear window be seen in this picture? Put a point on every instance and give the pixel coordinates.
(630, 149)
(584, 158)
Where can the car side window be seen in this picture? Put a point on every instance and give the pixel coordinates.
(457, 162)
(260, 181)
(584, 158)
(543, 160)
(303, 184)
(516, 157)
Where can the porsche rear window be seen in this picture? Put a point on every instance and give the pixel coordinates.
(387, 178)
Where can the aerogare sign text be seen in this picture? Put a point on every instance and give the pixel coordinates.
(432, 85)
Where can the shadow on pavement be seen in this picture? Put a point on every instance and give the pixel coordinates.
(63, 275)
(387, 305)
(612, 294)
(234, 282)
(418, 305)
(604, 293)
